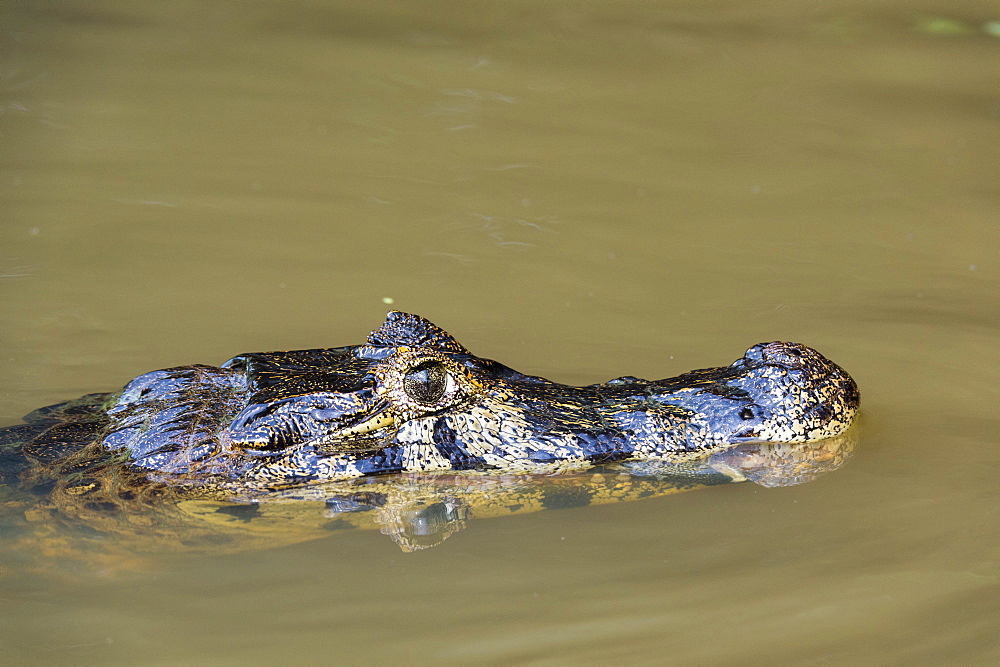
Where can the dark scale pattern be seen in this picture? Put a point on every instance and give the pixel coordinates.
(281, 418)
(406, 330)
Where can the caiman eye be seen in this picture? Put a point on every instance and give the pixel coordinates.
(426, 382)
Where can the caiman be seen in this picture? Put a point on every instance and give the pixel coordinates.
(412, 433)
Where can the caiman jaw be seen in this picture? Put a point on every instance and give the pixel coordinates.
(379, 420)
(360, 436)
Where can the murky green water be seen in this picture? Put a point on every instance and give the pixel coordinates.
(581, 190)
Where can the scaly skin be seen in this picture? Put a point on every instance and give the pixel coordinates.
(413, 399)
(468, 436)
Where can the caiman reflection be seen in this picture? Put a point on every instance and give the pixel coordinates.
(412, 433)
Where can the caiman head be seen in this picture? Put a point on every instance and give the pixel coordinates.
(412, 398)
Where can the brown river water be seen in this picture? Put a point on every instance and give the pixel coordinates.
(581, 191)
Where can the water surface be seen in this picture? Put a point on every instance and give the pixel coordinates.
(581, 191)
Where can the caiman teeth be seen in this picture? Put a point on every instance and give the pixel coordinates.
(373, 423)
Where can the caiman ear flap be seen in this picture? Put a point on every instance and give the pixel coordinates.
(406, 330)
